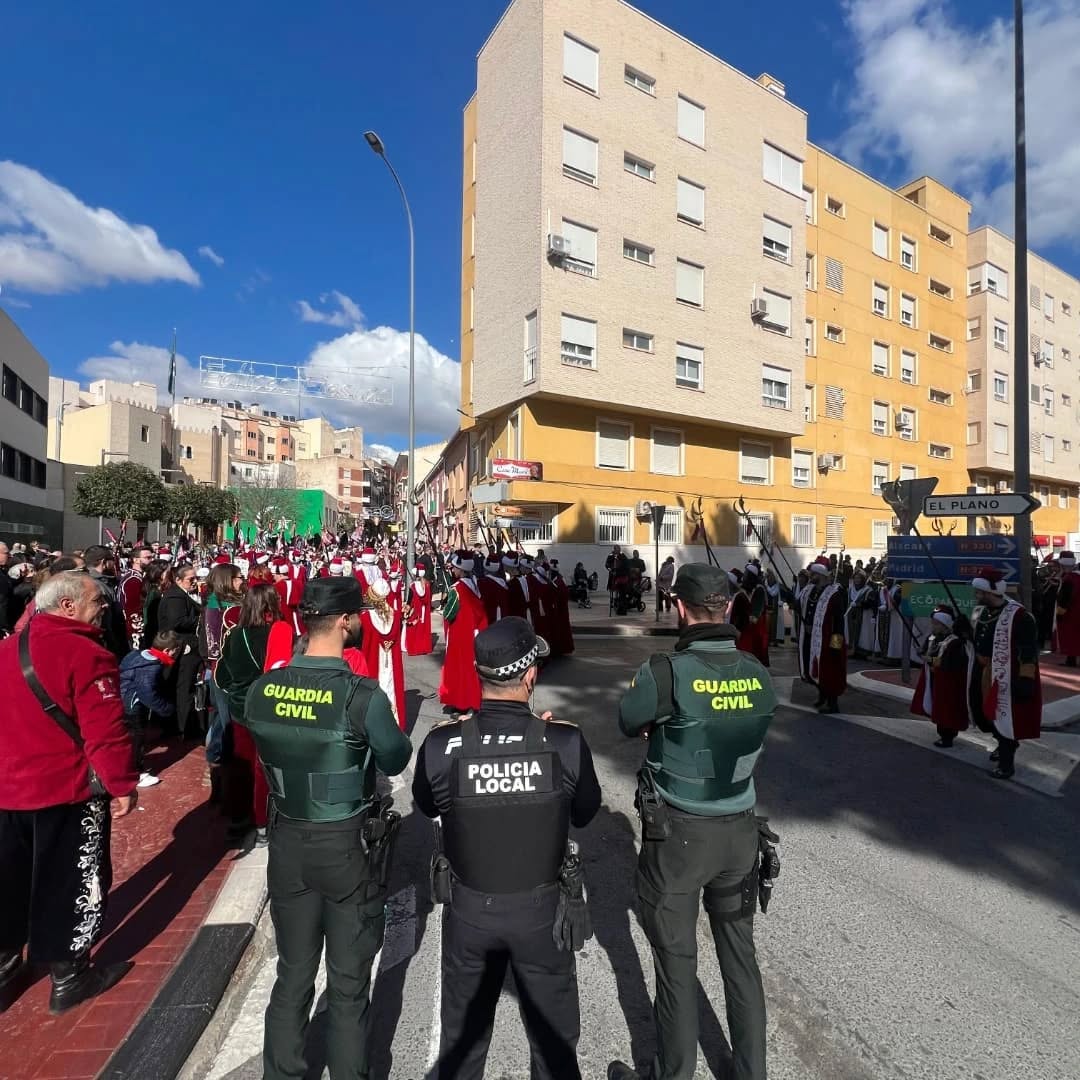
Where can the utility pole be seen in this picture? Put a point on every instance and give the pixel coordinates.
(1021, 343)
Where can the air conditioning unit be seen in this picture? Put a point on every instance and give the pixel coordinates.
(643, 509)
(903, 422)
(825, 462)
(759, 308)
(558, 246)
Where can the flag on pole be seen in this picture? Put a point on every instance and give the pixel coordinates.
(172, 366)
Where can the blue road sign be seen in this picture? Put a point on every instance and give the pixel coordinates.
(954, 547)
(920, 568)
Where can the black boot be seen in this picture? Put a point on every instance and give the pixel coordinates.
(832, 705)
(12, 977)
(618, 1070)
(77, 981)
(215, 784)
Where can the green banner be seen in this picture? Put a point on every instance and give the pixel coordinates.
(919, 598)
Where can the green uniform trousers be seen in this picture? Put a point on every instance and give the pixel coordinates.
(714, 856)
(320, 891)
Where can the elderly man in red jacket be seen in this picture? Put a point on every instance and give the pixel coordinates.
(58, 770)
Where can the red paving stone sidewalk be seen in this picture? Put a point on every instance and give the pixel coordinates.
(169, 861)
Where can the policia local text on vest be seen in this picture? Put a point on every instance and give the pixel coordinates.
(507, 786)
(321, 733)
(705, 710)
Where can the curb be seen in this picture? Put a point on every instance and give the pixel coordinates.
(618, 630)
(169, 1029)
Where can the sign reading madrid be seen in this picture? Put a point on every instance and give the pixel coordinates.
(1009, 504)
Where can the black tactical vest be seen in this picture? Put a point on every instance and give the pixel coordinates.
(507, 826)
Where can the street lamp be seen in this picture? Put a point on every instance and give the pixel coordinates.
(377, 147)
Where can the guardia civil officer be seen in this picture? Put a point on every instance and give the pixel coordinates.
(321, 733)
(705, 710)
(507, 786)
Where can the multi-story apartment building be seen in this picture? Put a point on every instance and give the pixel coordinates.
(28, 510)
(1053, 351)
(318, 438)
(342, 477)
(259, 438)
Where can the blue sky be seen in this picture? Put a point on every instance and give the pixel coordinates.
(237, 128)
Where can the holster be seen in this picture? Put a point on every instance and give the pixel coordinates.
(572, 926)
(768, 862)
(439, 875)
(378, 834)
(655, 819)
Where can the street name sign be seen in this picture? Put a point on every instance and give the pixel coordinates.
(921, 568)
(918, 599)
(952, 547)
(1008, 504)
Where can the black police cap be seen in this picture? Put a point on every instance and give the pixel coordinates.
(332, 596)
(508, 648)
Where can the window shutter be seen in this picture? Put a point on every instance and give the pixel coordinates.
(579, 152)
(579, 62)
(579, 331)
(881, 241)
(834, 402)
(834, 532)
(613, 446)
(691, 122)
(1036, 296)
(667, 452)
(691, 201)
(689, 281)
(776, 231)
(834, 274)
(779, 310)
(582, 242)
(755, 463)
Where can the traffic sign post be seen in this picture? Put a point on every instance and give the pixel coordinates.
(1009, 504)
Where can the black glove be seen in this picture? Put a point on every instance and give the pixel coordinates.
(572, 927)
(1024, 688)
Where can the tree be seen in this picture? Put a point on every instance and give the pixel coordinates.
(346, 522)
(264, 501)
(200, 505)
(122, 490)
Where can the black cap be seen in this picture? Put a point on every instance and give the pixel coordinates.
(701, 584)
(508, 648)
(332, 596)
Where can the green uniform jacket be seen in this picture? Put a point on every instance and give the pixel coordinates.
(707, 735)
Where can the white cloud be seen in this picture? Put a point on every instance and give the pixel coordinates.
(345, 312)
(13, 302)
(131, 361)
(207, 252)
(51, 242)
(934, 95)
(381, 452)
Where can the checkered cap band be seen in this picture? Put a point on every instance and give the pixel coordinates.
(518, 667)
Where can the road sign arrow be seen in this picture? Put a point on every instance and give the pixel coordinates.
(1009, 504)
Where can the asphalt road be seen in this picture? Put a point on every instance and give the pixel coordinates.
(926, 923)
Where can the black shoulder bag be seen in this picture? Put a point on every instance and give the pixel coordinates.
(53, 710)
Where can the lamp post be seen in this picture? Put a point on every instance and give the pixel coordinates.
(377, 147)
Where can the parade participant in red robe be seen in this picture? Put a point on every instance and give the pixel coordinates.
(381, 646)
(942, 691)
(396, 597)
(131, 592)
(289, 594)
(463, 619)
(1067, 610)
(368, 571)
(260, 574)
(562, 633)
(517, 595)
(748, 612)
(418, 625)
(494, 590)
(822, 649)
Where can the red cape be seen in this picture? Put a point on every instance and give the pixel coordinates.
(460, 685)
(418, 628)
(373, 647)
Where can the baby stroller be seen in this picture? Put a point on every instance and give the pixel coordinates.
(578, 589)
(626, 594)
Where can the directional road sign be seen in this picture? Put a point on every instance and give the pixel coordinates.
(953, 547)
(918, 599)
(920, 568)
(1010, 504)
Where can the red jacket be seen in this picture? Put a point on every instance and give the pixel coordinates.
(40, 766)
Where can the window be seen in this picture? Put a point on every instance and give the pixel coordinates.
(905, 424)
(578, 345)
(834, 275)
(1048, 401)
(638, 252)
(811, 274)
(1001, 334)
(1035, 394)
(908, 472)
(809, 412)
(778, 313)
(940, 397)
(251, 434)
(834, 402)
(579, 156)
(880, 534)
(940, 288)
(1048, 353)
(545, 534)
(1066, 445)
(1044, 493)
(881, 300)
(775, 387)
(691, 202)
(974, 381)
(11, 386)
(666, 452)
(808, 344)
(834, 532)
(803, 530)
(879, 474)
(808, 197)
(943, 344)
(639, 167)
(839, 463)
(1066, 309)
(1066, 401)
(974, 328)
(581, 257)
(691, 121)
(41, 409)
(834, 206)
(776, 242)
(1048, 447)
(635, 78)
(782, 169)
(834, 333)
(613, 444)
(1066, 355)
(762, 527)
(881, 241)
(907, 253)
(689, 283)
(671, 527)
(880, 421)
(612, 526)
(908, 373)
(1048, 306)
(879, 364)
(270, 439)
(689, 366)
(755, 461)
(1001, 386)
(907, 310)
(943, 236)
(635, 339)
(1063, 498)
(530, 347)
(252, 453)
(580, 63)
(802, 468)
(974, 433)
(144, 433)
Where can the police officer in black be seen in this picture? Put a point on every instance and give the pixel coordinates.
(705, 711)
(322, 732)
(507, 786)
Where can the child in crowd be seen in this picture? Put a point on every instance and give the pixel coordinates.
(142, 677)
